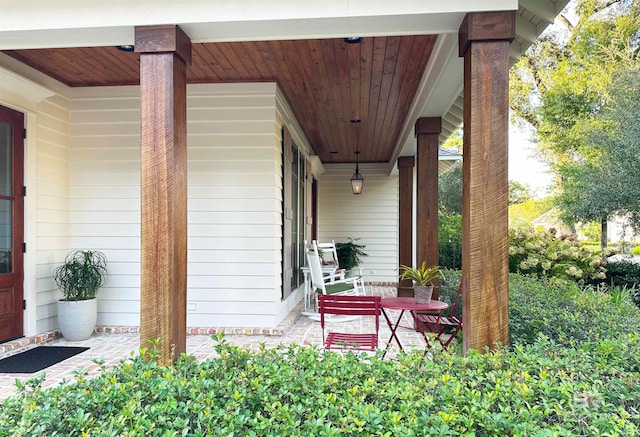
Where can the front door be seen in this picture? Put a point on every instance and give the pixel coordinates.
(11, 223)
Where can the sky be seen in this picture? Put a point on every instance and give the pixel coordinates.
(524, 166)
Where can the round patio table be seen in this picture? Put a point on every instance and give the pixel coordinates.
(407, 304)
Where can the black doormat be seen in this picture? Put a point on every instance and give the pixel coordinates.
(38, 358)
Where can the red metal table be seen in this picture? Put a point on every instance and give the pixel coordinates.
(407, 304)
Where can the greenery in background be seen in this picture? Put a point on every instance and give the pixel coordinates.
(524, 213)
(563, 312)
(450, 218)
(578, 87)
(519, 192)
(625, 274)
(81, 275)
(541, 254)
(450, 240)
(350, 254)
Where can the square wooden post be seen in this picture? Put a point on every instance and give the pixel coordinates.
(164, 53)
(428, 131)
(484, 42)
(405, 220)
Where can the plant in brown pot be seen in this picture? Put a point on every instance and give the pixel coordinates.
(423, 278)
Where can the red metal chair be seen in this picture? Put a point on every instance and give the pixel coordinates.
(350, 306)
(442, 325)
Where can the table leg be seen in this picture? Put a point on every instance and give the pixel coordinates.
(393, 329)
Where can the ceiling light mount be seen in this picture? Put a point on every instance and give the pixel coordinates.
(353, 39)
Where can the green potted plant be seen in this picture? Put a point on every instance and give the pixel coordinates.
(79, 279)
(423, 278)
(350, 254)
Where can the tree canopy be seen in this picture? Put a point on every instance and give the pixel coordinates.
(576, 87)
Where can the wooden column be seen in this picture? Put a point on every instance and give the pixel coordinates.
(484, 42)
(427, 132)
(405, 221)
(164, 53)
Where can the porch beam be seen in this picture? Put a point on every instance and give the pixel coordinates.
(484, 44)
(164, 53)
(405, 220)
(428, 131)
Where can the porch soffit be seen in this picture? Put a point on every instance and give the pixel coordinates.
(389, 81)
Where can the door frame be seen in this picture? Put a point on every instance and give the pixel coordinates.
(17, 120)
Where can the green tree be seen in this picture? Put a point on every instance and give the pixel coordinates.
(519, 192)
(450, 189)
(562, 87)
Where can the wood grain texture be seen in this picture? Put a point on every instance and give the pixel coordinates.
(487, 26)
(485, 195)
(405, 221)
(163, 203)
(428, 132)
(326, 81)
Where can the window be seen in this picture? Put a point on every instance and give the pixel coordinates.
(294, 184)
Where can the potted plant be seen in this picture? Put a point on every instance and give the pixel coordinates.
(423, 278)
(350, 254)
(79, 279)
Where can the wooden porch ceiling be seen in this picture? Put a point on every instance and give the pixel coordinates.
(327, 82)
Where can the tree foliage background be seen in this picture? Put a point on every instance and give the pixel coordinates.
(578, 87)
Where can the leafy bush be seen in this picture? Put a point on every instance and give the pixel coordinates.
(565, 313)
(560, 311)
(625, 274)
(450, 240)
(540, 254)
(539, 389)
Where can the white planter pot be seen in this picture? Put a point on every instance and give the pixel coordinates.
(77, 319)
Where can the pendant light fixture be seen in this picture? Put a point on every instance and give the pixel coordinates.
(357, 180)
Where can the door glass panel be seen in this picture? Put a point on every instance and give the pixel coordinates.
(5, 159)
(5, 236)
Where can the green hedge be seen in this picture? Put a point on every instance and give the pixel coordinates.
(582, 377)
(561, 311)
(625, 274)
(540, 389)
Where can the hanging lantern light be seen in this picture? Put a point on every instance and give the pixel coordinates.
(357, 180)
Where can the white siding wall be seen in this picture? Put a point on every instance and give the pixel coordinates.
(371, 216)
(52, 205)
(105, 193)
(234, 204)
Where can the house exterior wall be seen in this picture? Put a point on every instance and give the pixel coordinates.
(46, 206)
(51, 193)
(234, 204)
(372, 216)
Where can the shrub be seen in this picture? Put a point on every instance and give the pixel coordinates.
(539, 389)
(560, 311)
(565, 313)
(625, 274)
(450, 240)
(540, 254)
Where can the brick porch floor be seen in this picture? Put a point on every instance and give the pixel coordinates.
(112, 347)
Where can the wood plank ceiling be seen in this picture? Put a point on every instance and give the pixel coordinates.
(327, 82)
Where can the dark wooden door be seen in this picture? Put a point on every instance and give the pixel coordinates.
(11, 223)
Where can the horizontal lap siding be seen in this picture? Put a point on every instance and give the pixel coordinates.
(371, 216)
(105, 195)
(52, 205)
(234, 201)
(234, 205)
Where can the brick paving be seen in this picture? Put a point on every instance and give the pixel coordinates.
(114, 344)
